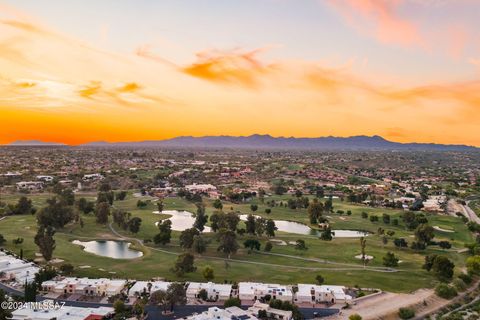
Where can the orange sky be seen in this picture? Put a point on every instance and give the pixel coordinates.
(56, 87)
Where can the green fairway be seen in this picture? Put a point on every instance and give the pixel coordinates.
(335, 260)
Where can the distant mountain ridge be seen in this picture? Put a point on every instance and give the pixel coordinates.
(258, 141)
(34, 143)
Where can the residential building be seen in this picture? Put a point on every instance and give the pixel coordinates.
(223, 314)
(84, 286)
(252, 291)
(214, 291)
(271, 312)
(318, 294)
(63, 313)
(30, 185)
(141, 287)
(17, 270)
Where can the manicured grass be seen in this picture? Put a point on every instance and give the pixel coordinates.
(262, 267)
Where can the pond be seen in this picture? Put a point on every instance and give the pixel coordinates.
(110, 248)
(300, 228)
(181, 220)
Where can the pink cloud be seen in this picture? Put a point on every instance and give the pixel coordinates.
(382, 19)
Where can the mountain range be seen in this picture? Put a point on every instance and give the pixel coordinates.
(257, 141)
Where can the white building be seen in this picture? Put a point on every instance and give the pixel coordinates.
(271, 312)
(45, 178)
(199, 188)
(30, 185)
(214, 291)
(315, 294)
(253, 291)
(16, 269)
(92, 177)
(223, 314)
(143, 287)
(85, 286)
(63, 313)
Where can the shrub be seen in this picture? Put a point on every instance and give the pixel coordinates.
(459, 285)
(466, 278)
(445, 291)
(406, 313)
(232, 302)
(355, 316)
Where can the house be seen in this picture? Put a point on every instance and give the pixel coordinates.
(200, 188)
(45, 178)
(271, 312)
(17, 270)
(84, 286)
(64, 313)
(30, 185)
(217, 292)
(316, 294)
(92, 177)
(223, 314)
(147, 287)
(252, 291)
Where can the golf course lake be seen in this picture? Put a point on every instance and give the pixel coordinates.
(181, 220)
(110, 248)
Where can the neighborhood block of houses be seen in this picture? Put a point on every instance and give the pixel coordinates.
(16, 270)
(63, 313)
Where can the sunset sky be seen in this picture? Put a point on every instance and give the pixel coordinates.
(132, 70)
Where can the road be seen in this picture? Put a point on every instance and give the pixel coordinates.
(470, 214)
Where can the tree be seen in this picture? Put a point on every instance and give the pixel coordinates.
(159, 298)
(327, 234)
(250, 224)
(400, 243)
(217, 204)
(201, 218)
(390, 260)
(441, 266)
(165, 234)
(56, 214)
(363, 245)
(288, 306)
(355, 316)
(270, 228)
(134, 224)
(386, 218)
(23, 206)
(300, 245)
(424, 233)
(44, 274)
(445, 291)
(119, 307)
(187, 236)
(268, 246)
(30, 292)
(320, 279)
(232, 302)
(184, 264)
(406, 313)
(66, 268)
(208, 273)
(253, 207)
(2, 240)
(199, 244)
(259, 226)
(85, 206)
(252, 244)
(176, 295)
(232, 221)
(228, 242)
(45, 241)
(121, 195)
(315, 210)
(473, 265)
(102, 212)
(160, 206)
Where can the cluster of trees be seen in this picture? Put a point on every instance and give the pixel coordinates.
(126, 222)
(23, 206)
(259, 226)
(167, 300)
